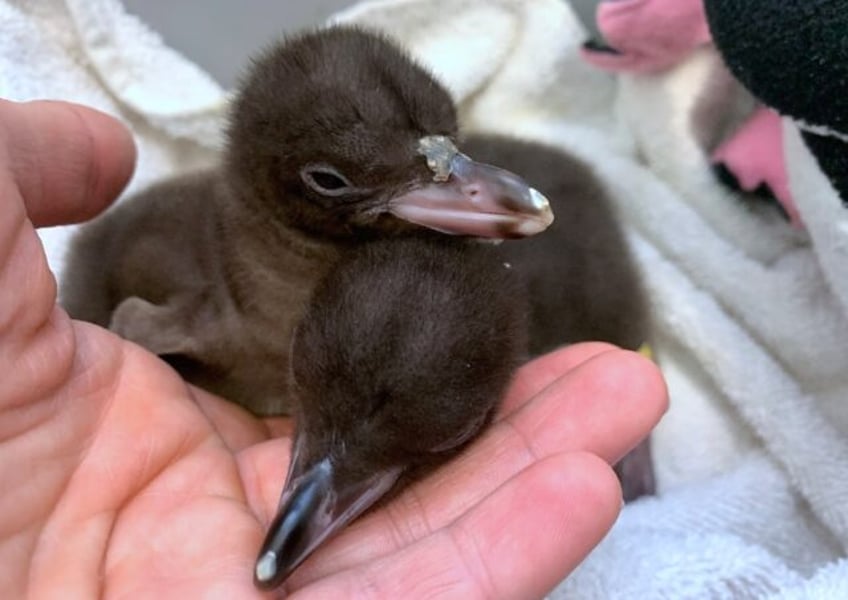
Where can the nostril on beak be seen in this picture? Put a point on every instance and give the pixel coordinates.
(472, 191)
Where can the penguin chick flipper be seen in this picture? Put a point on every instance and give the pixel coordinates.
(636, 472)
(187, 332)
(160, 328)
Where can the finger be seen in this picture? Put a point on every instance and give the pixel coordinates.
(238, 428)
(68, 162)
(539, 373)
(58, 162)
(607, 406)
(531, 378)
(262, 469)
(518, 542)
(603, 406)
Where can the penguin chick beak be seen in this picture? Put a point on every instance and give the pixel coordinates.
(313, 507)
(471, 198)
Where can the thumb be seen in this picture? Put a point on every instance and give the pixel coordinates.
(67, 161)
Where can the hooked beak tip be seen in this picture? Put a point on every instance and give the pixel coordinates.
(313, 507)
(266, 568)
(540, 202)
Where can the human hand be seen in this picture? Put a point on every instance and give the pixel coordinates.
(121, 480)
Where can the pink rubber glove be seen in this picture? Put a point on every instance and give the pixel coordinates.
(647, 35)
(754, 155)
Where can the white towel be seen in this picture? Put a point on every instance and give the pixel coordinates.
(751, 317)
(93, 52)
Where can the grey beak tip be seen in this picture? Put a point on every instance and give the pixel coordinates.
(543, 218)
(540, 202)
(266, 568)
(310, 512)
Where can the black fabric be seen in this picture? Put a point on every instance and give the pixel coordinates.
(762, 192)
(832, 156)
(791, 54)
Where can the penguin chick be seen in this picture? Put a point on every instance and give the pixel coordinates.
(400, 360)
(581, 281)
(580, 278)
(335, 137)
(372, 330)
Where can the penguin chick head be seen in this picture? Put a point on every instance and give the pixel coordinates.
(400, 361)
(338, 132)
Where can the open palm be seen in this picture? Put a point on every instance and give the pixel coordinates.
(119, 479)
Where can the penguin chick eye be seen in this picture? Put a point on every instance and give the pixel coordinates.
(325, 180)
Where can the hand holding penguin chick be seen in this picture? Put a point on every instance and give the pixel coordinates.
(207, 291)
(336, 137)
(147, 487)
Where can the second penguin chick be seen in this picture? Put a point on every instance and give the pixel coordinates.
(581, 281)
(400, 360)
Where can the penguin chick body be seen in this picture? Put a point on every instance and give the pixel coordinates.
(580, 279)
(336, 137)
(402, 356)
(582, 283)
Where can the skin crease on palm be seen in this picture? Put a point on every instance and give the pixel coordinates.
(119, 480)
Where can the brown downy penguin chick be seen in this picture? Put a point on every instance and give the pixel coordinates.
(581, 281)
(401, 359)
(335, 137)
(396, 322)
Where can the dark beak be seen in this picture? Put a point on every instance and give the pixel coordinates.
(313, 507)
(595, 45)
(474, 199)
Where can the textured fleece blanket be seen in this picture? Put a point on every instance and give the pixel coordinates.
(750, 313)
